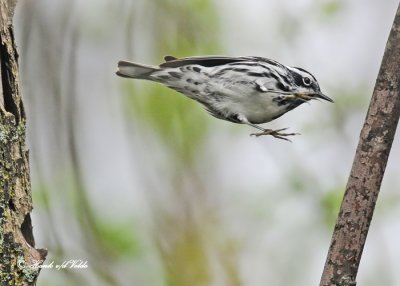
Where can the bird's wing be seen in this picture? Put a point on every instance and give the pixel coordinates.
(212, 61)
(206, 61)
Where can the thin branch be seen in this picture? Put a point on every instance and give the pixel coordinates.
(368, 168)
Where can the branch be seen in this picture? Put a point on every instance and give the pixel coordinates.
(368, 168)
(19, 260)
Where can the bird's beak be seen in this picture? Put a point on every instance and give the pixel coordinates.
(323, 96)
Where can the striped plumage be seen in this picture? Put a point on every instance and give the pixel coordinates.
(247, 90)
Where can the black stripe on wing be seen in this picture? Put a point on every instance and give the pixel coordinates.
(210, 61)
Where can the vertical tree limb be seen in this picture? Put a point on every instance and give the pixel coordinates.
(19, 260)
(368, 168)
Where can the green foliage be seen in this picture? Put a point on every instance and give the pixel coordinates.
(348, 102)
(332, 7)
(186, 28)
(179, 122)
(186, 262)
(330, 204)
(120, 239)
(296, 182)
(181, 29)
(41, 195)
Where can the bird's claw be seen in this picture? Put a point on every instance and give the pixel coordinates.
(275, 133)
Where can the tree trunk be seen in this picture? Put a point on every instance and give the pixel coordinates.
(19, 260)
(367, 171)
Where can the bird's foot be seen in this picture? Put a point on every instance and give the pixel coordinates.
(276, 133)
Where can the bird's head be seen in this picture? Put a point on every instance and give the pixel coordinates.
(307, 86)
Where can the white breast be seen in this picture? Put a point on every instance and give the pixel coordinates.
(256, 107)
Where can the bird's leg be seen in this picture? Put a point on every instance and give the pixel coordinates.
(275, 133)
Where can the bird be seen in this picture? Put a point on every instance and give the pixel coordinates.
(249, 90)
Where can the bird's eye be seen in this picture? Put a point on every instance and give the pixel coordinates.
(306, 81)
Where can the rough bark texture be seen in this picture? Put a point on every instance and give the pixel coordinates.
(367, 171)
(18, 257)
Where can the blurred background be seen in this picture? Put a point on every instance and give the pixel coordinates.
(149, 189)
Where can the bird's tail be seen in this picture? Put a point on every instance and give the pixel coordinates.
(133, 70)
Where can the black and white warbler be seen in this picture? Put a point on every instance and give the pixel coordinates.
(247, 90)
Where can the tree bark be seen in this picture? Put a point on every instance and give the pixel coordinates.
(19, 260)
(368, 168)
